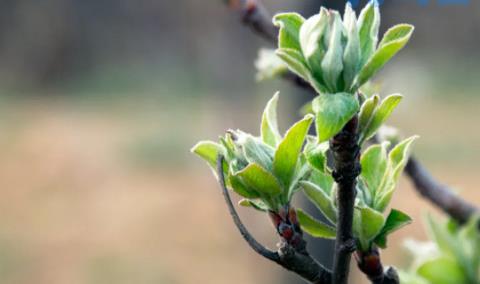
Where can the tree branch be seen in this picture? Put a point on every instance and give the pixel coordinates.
(255, 16)
(346, 154)
(439, 194)
(287, 256)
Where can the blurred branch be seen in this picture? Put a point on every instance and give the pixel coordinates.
(255, 16)
(439, 194)
(286, 256)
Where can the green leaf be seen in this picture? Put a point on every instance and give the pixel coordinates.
(352, 55)
(469, 238)
(241, 188)
(398, 32)
(332, 63)
(397, 160)
(399, 156)
(393, 41)
(306, 109)
(295, 62)
(369, 223)
(317, 158)
(382, 113)
(364, 195)
(208, 151)
(287, 153)
(374, 167)
(382, 200)
(256, 151)
(314, 227)
(395, 220)
(302, 171)
(442, 270)
(259, 179)
(229, 147)
(321, 200)
(256, 204)
(368, 25)
(366, 113)
(269, 128)
(442, 237)
(289, 24)
(322, 179)
(332, 112)
(311, 33)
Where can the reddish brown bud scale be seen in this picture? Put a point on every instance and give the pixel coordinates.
(286, 232)
(370, 263)
(276, 219)
(292, 216)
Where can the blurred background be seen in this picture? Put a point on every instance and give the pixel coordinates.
(100, 102)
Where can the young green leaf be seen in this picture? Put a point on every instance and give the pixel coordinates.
(208, 151)
(324, 180)
(394, 40)
(255, 151)
(288, 151)
(374, 167)
(332, 112)
(398, 32)
(442, 237)
(259, 179)
(395, 220)
(256, 204)
(368, 25)
(369, 223)
(269, 128)
(311, 33)
(399, 155)
(366, 115)
(381, 114)
(442, 270)
(295, 62)
(397, 160)
(332, 63)
(317, 158)
(314, 227)
(383, 197)
(306, 109)
(289, 24)
(352, 54)
(321, 200)
(241, 188)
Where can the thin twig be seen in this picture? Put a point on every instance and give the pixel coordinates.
(439, 194)
(300, 263)
(256, 246)
(346, 155)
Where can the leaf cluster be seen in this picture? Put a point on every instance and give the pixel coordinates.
(453, 257)
(338, 55)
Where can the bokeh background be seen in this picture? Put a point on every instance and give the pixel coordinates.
(100, 102)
